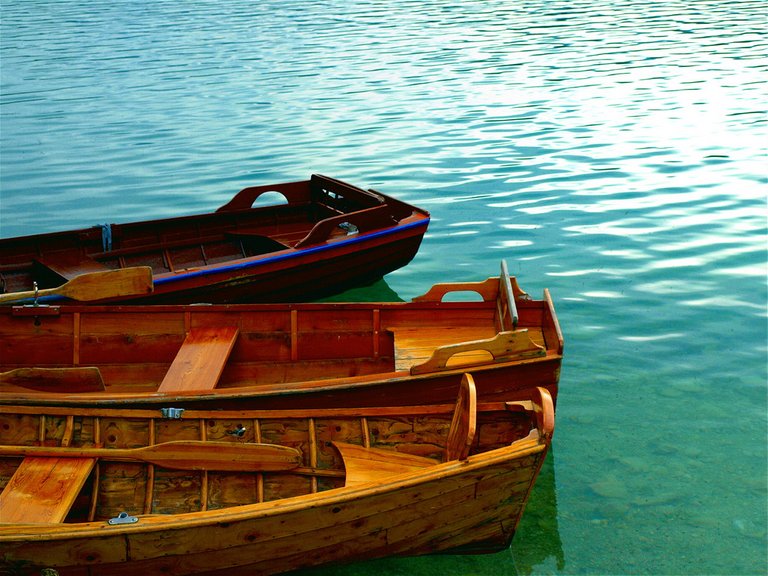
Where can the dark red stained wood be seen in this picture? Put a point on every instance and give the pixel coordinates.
(287, 355)
(287, 252)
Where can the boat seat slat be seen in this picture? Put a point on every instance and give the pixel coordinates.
(71, 266)
(42, 489)
(416, 345)
(364, 465)
(442, 348)
(201, 359)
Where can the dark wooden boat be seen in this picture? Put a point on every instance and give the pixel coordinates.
(105, 491)
(325, 237)
(283, 355)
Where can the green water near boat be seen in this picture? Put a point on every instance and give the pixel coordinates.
(612, 152)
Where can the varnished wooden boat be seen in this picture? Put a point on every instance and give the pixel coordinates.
(324, 237)
(101, 491)
(283, 356)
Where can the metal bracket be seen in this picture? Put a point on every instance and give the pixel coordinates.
(349, 228)
(122, 518)
(172, 413)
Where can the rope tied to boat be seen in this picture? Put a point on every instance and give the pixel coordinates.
(106, 237)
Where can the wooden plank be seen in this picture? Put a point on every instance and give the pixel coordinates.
(416, 345)
(464, 423)
(499, 347)
(75, 379)
(95, 286)
(372, 464)
(179, 455)
(201, 359)
(68, 265)
(42, 490)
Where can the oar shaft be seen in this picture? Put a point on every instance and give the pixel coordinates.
(181, 455)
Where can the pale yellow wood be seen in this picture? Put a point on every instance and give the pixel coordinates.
(461, 346)
(96, 286)
(416, 345)
(365, 465)
(201, 359)
(179, 455)
(42, 490)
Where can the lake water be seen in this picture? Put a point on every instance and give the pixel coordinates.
(613, 152)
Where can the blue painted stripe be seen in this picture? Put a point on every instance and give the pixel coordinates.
(264, 261)
(297, 254)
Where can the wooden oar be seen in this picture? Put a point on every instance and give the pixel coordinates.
(75, 379)
(95, 286)
(182, 455)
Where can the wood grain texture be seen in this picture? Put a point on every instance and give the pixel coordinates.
(43, 489)
(201, 359)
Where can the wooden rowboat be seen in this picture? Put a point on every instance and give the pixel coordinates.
(283, 355)
(100, 491)
(324, 237)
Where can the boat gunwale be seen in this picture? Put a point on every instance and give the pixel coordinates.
(36, 398)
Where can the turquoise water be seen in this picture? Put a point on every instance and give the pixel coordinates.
(613, 152)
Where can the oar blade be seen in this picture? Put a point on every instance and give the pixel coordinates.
(109, 284)
(65, 380)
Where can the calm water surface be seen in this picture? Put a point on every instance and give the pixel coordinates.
(613, 152)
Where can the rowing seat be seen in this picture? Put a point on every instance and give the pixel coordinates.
(69, 266)
(365, 465)
(201, 359)
(43, 489)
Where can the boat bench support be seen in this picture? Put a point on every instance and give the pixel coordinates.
(43, 489)
(365, 465)
(200, 360)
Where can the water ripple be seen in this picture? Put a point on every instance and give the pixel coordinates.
(615, 152)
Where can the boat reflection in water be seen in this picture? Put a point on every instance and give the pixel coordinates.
(537, 541)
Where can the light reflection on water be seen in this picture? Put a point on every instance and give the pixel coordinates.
(613, 152)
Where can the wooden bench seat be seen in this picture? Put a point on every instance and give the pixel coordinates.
(69, 266)
(43, 489)
(416, 345)
(364, 465)
(429, 349)
(200, 360)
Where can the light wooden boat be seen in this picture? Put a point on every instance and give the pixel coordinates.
(324, 236)
(106, 491)
(283, 356)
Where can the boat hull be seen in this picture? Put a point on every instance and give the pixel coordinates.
(402, 519)
(282, 356)
(324, 237)
(199, 521)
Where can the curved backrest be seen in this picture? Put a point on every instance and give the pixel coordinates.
(464, 423)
